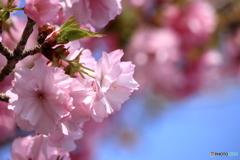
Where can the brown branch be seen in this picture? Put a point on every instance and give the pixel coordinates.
(18, 51)
(23, 41)
(5, 51)
(37, 49)
(4, 97)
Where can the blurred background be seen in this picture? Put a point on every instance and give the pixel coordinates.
(187, 57)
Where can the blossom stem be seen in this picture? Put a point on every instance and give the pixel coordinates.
(15, 9)
(82, 75)
(86, 68)
(82, 71)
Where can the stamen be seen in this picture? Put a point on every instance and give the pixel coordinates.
(40, 95)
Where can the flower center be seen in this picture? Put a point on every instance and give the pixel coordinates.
(40, 96)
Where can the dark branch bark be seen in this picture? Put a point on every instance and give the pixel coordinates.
(4, 97)
(23, 41)
(18, 51)
(37, 49)
(5, 51)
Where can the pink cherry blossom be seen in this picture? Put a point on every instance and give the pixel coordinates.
(96, 13)
(93, 133)
(42, 11)
(232, 51)
(45, 100)
(145, 5)
(161, 52)
(194, 23)
(7, 123)
(114, 84)
(82, 98)
(160, 62)
(65, 135)
(82, 90)
(210, 68)
(36, 148)
(21, 148)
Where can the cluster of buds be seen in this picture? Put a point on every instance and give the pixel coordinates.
(56, 38)
(44, 31)
(49, 39)
(59, 53)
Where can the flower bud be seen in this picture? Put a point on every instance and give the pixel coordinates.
(61, 50)
(44, 31)
(52, 40)
(47, 29)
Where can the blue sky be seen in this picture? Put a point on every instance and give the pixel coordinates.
(187, 130)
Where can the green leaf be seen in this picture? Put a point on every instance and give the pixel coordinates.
(71, 23)
(74, 34)
(70, 31)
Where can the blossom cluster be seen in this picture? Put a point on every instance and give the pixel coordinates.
(65, 86)
(55, 104)
(179, 46)
(87, 12)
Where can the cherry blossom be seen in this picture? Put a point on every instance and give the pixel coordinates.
(161, 51)
(7, 123)
(45, 100)
(114, 84)
(55, 86)
(65, 135)
(36, 148)
(42, 11)
(53, 89)
(194, 23)
(96, 13)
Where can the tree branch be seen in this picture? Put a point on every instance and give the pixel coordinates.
(37, 49)
(23, 41)
(5, 51)
(18, 51)
(4, 97)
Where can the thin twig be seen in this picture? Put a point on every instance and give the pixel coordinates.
(37, 49)
(4, 97)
